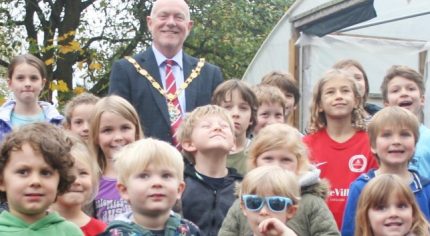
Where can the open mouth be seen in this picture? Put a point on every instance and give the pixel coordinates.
(405, 103)
(396, 151)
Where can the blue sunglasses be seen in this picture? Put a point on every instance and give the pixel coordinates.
(275, 203)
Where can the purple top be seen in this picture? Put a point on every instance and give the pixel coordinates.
(108, 202)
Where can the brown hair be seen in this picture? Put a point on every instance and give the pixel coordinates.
(225, 90)
(28, 59)
(46, 139)
(405, 72)
(284, 81)
(376, 193)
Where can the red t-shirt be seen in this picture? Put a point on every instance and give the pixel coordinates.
(340, 163)
(94, 227)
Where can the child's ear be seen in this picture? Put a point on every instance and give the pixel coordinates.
(242, 207)
(188, 146)
(122, 189)
(291, 211)
(181, 189)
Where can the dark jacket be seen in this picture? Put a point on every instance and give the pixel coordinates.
(204, 205)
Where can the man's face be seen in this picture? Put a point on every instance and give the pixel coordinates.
(169, 25)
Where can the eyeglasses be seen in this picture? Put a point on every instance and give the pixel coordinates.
(275, 203)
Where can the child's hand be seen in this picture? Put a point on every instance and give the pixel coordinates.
(274, 227)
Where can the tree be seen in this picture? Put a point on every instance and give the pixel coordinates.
(83, 37)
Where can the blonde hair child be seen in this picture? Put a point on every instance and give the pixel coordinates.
(338, 143)
(281, 145)
(83, 190)
(114, 124)
(386, 200)
(77, 114)
(151, 179)
(269, 196)
(26, 79)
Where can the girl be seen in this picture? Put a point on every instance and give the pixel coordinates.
(357, 70)
(268, 198)
(281, 145)
(237, 97)
(338, 143)
(114, 124)
(77, 112)
(386, 206)
(26, 79)
(82, 191)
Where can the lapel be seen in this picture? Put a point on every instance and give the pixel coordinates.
(190, 92)
(147, 61)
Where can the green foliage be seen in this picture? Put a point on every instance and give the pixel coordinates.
(79, 40)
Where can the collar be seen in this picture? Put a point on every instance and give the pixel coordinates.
(160, 58)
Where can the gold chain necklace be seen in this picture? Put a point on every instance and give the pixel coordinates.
(169, 96)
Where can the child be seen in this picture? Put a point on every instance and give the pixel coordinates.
(237, 97)
(338, 143)
(26, 79)
(388, 207)
(151, 179)
(35, 167)
(393, 133)
(404, 87)
(114, 124)
(271, 106)
(362, 81)
(281, 145)
(78, 113)
(83, 190)
(286, 82)
(268, 198)
(206, 136)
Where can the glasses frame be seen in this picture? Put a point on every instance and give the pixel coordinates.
(266, 200)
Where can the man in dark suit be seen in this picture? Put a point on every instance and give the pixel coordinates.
(142, 81)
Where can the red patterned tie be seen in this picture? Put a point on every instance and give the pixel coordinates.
(174, 108)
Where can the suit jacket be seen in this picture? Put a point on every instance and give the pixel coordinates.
(151, 106)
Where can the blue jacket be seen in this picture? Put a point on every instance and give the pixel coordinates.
(419, 186)
(421, 160)
(51, 114)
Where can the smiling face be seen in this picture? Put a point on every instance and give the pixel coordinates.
(337, 98)
(153, 191)
(394, 146)
(114, 133)
(26, 83)
(391, 219)
(404, 93)
(80, 191)
(30, 184)
(169, 25)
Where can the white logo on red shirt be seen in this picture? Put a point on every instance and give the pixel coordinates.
(357, 163)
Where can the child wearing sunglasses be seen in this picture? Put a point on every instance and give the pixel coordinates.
(281, 145)
(268, 198)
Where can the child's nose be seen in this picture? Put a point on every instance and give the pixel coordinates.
(35, 180)
(264, 211)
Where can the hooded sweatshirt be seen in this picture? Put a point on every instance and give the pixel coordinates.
(51, 224)
(312, 217)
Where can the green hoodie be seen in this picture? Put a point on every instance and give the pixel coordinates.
(52, 224)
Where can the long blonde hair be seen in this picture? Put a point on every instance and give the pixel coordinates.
(318, 117)
(376, 193)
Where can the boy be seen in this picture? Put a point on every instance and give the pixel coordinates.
(237, 97)
(271, 106)
(206, 136)
(404, 87)
(393, 133)
(287, 84)
(150, 178)
(35, 167)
